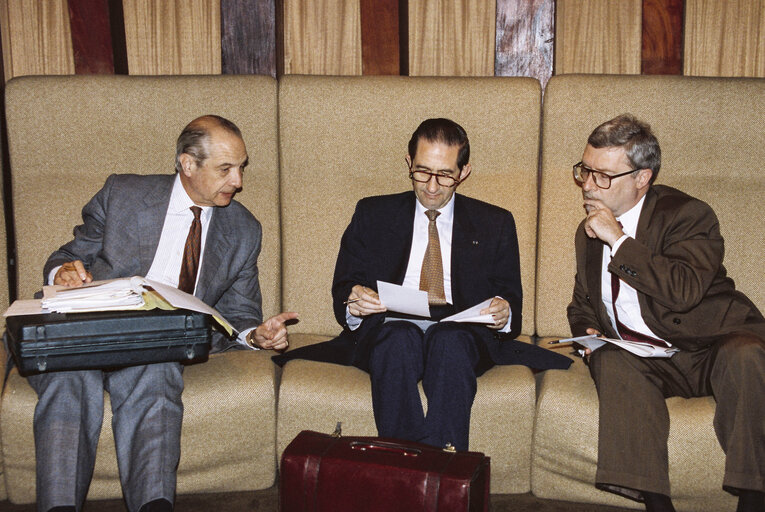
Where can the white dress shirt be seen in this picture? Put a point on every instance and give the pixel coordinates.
(627, 304)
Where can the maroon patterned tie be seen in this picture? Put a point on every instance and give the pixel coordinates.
(432, 273)
(188, 276)
(624, 331)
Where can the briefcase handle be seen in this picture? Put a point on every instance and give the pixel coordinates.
(381, 446)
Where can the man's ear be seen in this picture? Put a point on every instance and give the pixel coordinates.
(188, 163)
(465, 172)
(644, 178)
(408, 161)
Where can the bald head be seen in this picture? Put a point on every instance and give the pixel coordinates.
(195, 137)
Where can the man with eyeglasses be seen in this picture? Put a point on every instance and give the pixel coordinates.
(649, 268)
(466, 254)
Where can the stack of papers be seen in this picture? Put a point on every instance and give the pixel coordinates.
(639, 348)
(398, 299)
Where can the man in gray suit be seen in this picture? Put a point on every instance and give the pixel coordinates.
(138, 225)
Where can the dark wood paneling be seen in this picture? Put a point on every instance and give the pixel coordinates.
(662, 46)
(248, 37)
(380, 51)
(91, 37)
(525, 31)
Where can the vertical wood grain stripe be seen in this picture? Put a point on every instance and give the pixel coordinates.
(248, 37)
(91, 37)
(724, 38)
(172, 38)
(322, 37)
(524, 42)
(380, 49)
(36, 38)
(662, 46)
(452, 37)
(598, 36)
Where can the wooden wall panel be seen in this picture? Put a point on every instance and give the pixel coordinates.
(451, 37)
(91, 37)
(322, 37)
(36, 38)
(598, 36)
(525, 36)
(181, 37)
(380, 48)
(662, 49)
(725, 38)
(248, 37)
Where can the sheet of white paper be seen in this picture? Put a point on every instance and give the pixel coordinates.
(403, 300)
(636, 347)
(183, 300)
(472, 315)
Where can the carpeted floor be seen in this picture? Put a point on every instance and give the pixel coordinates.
(268, 501)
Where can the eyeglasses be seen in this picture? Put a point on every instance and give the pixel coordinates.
(602, 180)
(424, 176)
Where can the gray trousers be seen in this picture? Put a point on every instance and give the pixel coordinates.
(634, 422)
(147, 415)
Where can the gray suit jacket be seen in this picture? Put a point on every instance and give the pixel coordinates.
(120, 233)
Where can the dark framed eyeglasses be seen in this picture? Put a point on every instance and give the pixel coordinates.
(602, 180)
(424, 176)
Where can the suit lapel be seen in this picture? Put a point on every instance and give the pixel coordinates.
(399, 235)
(594, 265)
(150, 222)
(466, 250)
(214, 261)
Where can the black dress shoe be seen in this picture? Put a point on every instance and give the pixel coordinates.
(655, 502)
(160, 505)
(751, 501)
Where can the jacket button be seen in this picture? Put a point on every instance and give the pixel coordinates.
(676, 321)
(587, 298)
(621, 267)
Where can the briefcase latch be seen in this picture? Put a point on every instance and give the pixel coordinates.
(338, 430)
(41, 362)
(450, 448)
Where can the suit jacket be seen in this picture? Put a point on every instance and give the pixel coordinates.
(675, 262)
(376, 246)
(120, 233)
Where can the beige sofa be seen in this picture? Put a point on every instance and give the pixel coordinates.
(318, 144)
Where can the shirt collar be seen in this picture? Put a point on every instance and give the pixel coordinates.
(180, 202)
(447, 210)
(631, 217)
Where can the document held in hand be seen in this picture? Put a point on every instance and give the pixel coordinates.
(639, 348)
(114, 295)
(415, 302)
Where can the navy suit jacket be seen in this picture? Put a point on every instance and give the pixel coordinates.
(376, 246)
(120, 233)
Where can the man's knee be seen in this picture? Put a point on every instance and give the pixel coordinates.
(742, 353)
(397, 341)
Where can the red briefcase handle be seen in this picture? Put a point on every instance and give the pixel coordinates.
(386, 447)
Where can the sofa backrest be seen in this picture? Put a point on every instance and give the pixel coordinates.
(68, 133)
(711, 135)
(344, 138)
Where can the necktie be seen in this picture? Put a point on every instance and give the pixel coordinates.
(432, 273)
(624, 331)
(188, 276)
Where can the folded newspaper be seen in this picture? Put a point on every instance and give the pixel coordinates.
(115, 295)
(639, 348)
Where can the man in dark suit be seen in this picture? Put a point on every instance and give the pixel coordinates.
(466, 254)
(650, 268)
(139, 225)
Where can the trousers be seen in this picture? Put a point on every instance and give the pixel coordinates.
(147, 414)
(634, 421)
(448, 357)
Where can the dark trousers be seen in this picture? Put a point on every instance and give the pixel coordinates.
(634, 422)
(447, 357)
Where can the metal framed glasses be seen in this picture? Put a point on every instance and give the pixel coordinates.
(424, 176)
(601, 179)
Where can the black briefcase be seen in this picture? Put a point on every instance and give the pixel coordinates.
(106, 340)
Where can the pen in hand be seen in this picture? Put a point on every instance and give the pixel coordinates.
(351, 301)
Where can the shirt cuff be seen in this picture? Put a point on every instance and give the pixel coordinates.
(52, 274)
(353, 322)
(618, 244)
(242, 338)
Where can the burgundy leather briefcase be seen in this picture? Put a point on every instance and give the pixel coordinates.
(323, 473)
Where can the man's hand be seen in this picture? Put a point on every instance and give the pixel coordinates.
(72, 274)
(587, 351)
(271, 334)
(601, 223)
(364, 301)
(500, 310)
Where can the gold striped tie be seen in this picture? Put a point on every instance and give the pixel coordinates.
(432, 273)
(188, 276)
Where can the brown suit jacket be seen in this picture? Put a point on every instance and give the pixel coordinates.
(675, 262)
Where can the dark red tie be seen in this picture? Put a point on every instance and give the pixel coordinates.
(188, 276)
(624, 331)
